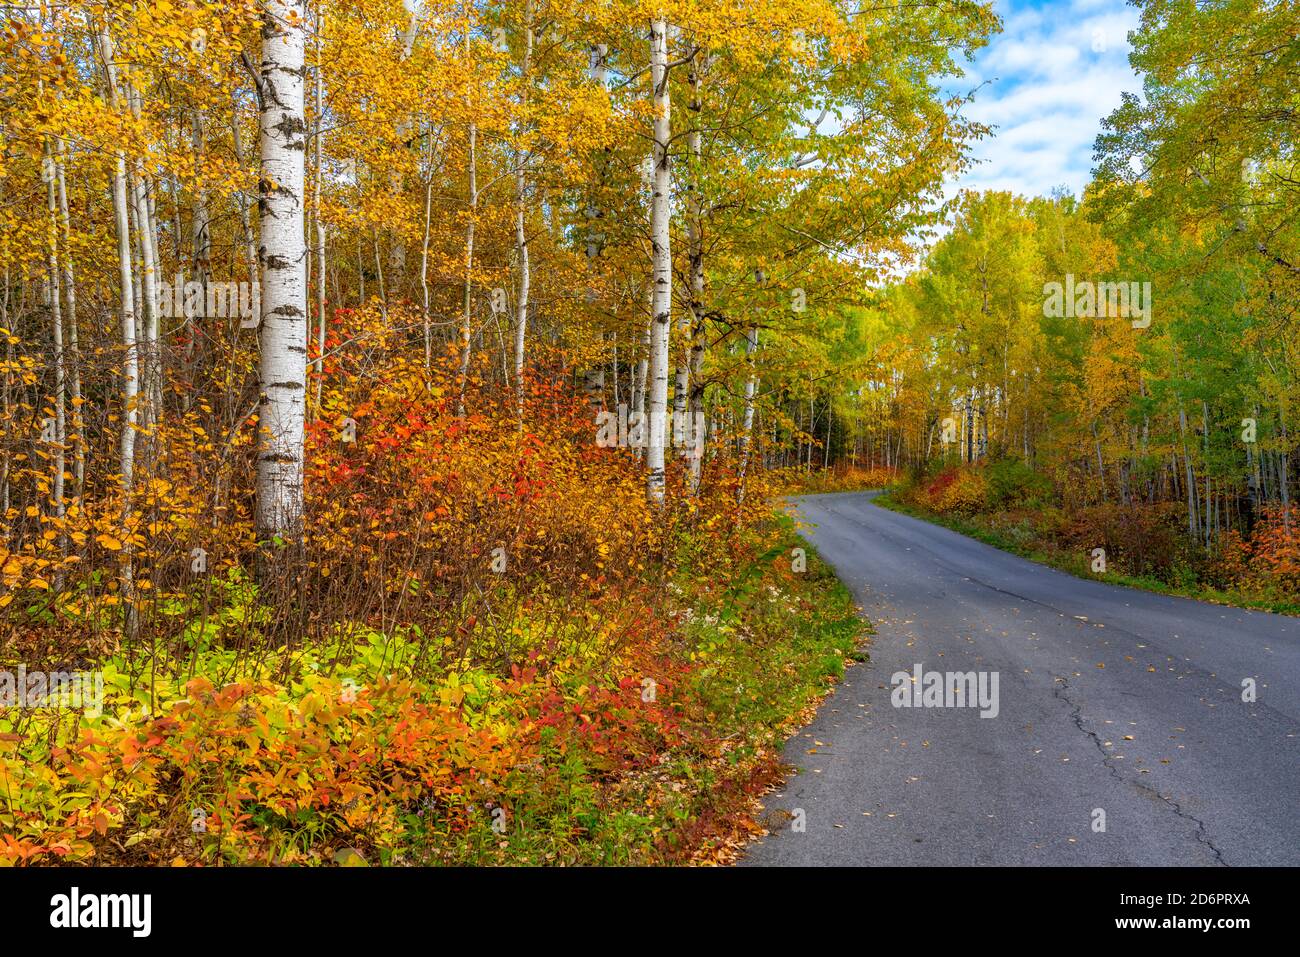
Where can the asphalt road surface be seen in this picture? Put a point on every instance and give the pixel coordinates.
(1109, 700)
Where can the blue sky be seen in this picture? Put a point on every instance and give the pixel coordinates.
(1056, 69)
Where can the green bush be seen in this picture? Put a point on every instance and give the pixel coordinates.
(1012, 483)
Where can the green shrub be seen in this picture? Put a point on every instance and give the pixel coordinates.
(1010, 483)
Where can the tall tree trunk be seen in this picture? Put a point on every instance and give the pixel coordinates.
(830, 424)
(812, 428)
(201, 233)
(148, 293)
(283, 255)
(1190, 477)
(147, 240)
(466, 327)
(747, 426)
(379, 276)
(424, 274)
(70, 326)
(1205, 446)
(319, 146)
(661, 252)
(467, 306)
(643, 367)
(521, 235)
(695, 238)
(130, 348)
(1284, 469)
(5, 393)
(54, 279)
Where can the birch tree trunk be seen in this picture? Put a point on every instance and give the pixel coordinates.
(642, 372)
(54, 279)
(379, 276)
(830, 425)
(695, 239)
(148, 292)
(466, 328)
(747, 427)
(467, 312)
(424, 273)
(147, 241)
(1284, 471)
(1187, 466)
(661, 253)
(316, 214)
(283, 256)
(130, 353)
(202, 240)
(521, 235)
(70, 326)
(7, 399)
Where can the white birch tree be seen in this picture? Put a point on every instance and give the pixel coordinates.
(662, 264)
(282, 255)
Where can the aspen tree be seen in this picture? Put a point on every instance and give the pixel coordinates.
(660, 211)
(283, 259)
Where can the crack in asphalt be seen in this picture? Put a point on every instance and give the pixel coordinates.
(915, 580)
(1076, 716)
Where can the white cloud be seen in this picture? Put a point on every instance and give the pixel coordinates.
(1050, 77)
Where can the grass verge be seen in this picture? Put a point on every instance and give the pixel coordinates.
(612, 743)
(1071, 562)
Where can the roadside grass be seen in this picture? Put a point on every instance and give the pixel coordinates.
(757, 652)
(654, 752)
(1033, 548)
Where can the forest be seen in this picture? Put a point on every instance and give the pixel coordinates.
(398, 398)
(1120, 369)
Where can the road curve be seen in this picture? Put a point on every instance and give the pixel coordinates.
(1109, 699)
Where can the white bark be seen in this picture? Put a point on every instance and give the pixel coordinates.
(379, 276)
(70, 327)
(661, 253)
(54, 279)
(147, 241)
(642, 372)
(695, 432)
(525, 283)
(130, 352)
(320, 223)
(201, 236)
(521, 235)
(466, 326)
(148, 292)
(283, 256)
(424, 273)
(747, 428)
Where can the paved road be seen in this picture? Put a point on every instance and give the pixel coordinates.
(1108, 698)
